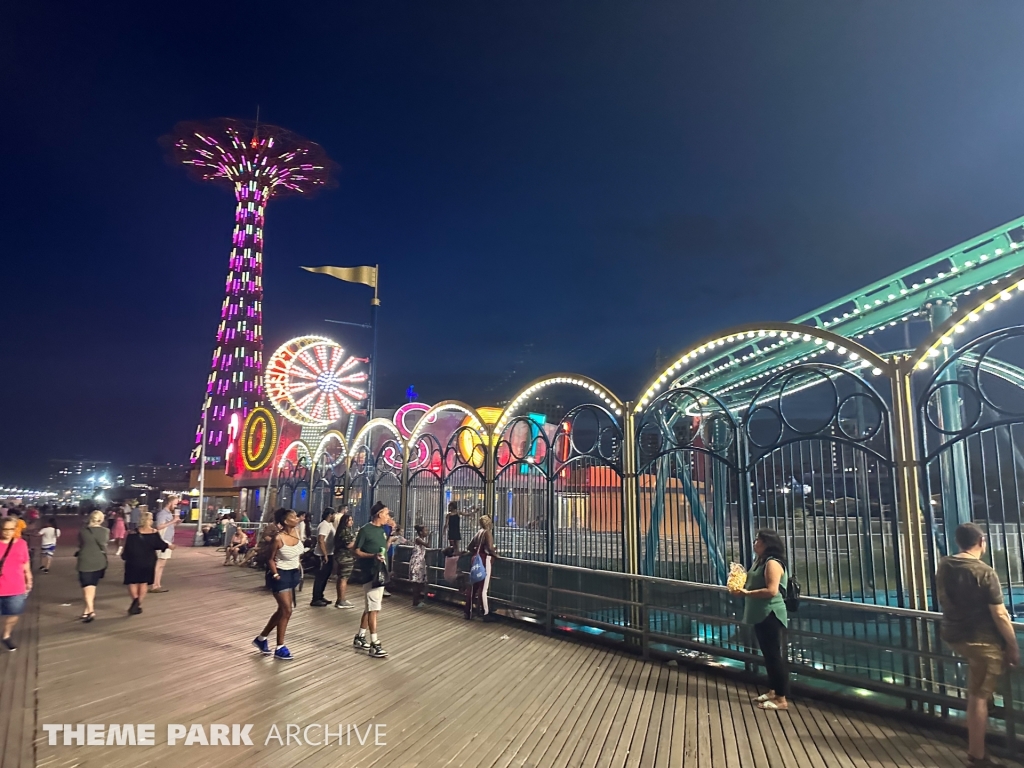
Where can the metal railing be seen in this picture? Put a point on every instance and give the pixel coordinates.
(871, 654)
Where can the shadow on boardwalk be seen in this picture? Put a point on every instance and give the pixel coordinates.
(451, 694)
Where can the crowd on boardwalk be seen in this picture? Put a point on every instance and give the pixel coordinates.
(975, 621)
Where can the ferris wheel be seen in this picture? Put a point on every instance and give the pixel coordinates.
(313, 382)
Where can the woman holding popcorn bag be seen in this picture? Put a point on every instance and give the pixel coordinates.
(765, 609)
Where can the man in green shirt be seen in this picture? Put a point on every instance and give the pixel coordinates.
(371, 546)
(976, 625)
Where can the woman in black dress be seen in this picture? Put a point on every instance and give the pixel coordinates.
(139, 555)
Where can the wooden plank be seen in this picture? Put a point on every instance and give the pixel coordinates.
(451, 694)
(574, 747)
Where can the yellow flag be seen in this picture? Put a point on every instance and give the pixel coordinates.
(364, 275)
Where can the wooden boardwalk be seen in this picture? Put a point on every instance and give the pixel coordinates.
(451, 694)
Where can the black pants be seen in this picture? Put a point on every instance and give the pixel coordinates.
(323, 573)
(771, 636)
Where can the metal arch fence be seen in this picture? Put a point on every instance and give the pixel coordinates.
(329, 483)
(865, 482)
(293, 484)
(688, 486)
(424, 495)
(971, 425)
(819, 454)
(464, 463)
(558, 498)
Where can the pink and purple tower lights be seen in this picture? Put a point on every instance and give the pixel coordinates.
(258, 162)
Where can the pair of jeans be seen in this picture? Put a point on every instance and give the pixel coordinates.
(323, 574)
(771, 637)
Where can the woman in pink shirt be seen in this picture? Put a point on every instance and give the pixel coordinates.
(15, 578)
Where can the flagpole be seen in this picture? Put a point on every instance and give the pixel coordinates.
(202, 476)
(374, 306)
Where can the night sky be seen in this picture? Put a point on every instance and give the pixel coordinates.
(547, 186)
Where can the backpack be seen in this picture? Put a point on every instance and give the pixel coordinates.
(791, 597)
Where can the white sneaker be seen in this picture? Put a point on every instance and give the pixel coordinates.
(343, 604)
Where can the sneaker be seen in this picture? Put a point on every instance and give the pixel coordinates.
(386, 593)
(377, 652)
(283, 653)
(343, 604)
(263, 645)
(10, 644)
(361, 643)
(319, 603)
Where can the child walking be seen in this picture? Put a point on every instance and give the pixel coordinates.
(418, 565)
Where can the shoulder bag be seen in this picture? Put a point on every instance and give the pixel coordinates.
(10, 546)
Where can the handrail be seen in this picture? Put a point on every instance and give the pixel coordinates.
(844, 604)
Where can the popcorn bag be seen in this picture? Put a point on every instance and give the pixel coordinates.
(737, 576)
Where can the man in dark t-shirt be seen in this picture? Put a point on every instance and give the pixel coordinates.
(976, 625)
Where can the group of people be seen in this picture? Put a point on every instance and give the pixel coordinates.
(145, 550)
(361, 559)
(975, 624)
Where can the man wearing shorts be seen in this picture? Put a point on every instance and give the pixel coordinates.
(976, 625)
(166, 519)
(371, 545)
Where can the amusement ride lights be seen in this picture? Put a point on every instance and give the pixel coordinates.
(258, 162)
(312, 382)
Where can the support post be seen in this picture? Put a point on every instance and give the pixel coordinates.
(954, 490)
(198, 540)
(403, 497)
(630, 513)
(374, 306)
(631, 529)
(913, 562)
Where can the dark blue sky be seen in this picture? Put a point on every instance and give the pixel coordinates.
(599, 180)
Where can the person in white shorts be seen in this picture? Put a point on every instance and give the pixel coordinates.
(166, 519)
(48, 542)
(371, 547)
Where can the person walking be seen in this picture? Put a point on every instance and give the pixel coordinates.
(483, 545)
(418, 565)
(976, 625)
(48, 543)
(91, 560)
(371, 546)
(344, 543)
(166, 519)
(15, 579)
(117, 530)
(136, 511)
(140, 559)
(324, 549)
(282, 578)
(765, 610)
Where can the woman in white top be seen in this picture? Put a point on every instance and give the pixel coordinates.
(283, 576)
(48, 542)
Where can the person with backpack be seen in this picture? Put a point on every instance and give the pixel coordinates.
(482, 552)
(344, 543)
(765, 610)
(370, 549)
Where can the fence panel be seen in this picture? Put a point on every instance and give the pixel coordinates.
(688, 488)
(822, 472)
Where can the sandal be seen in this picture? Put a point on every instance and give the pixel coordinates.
(763, 697)
(87, 617)
(772, 706)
